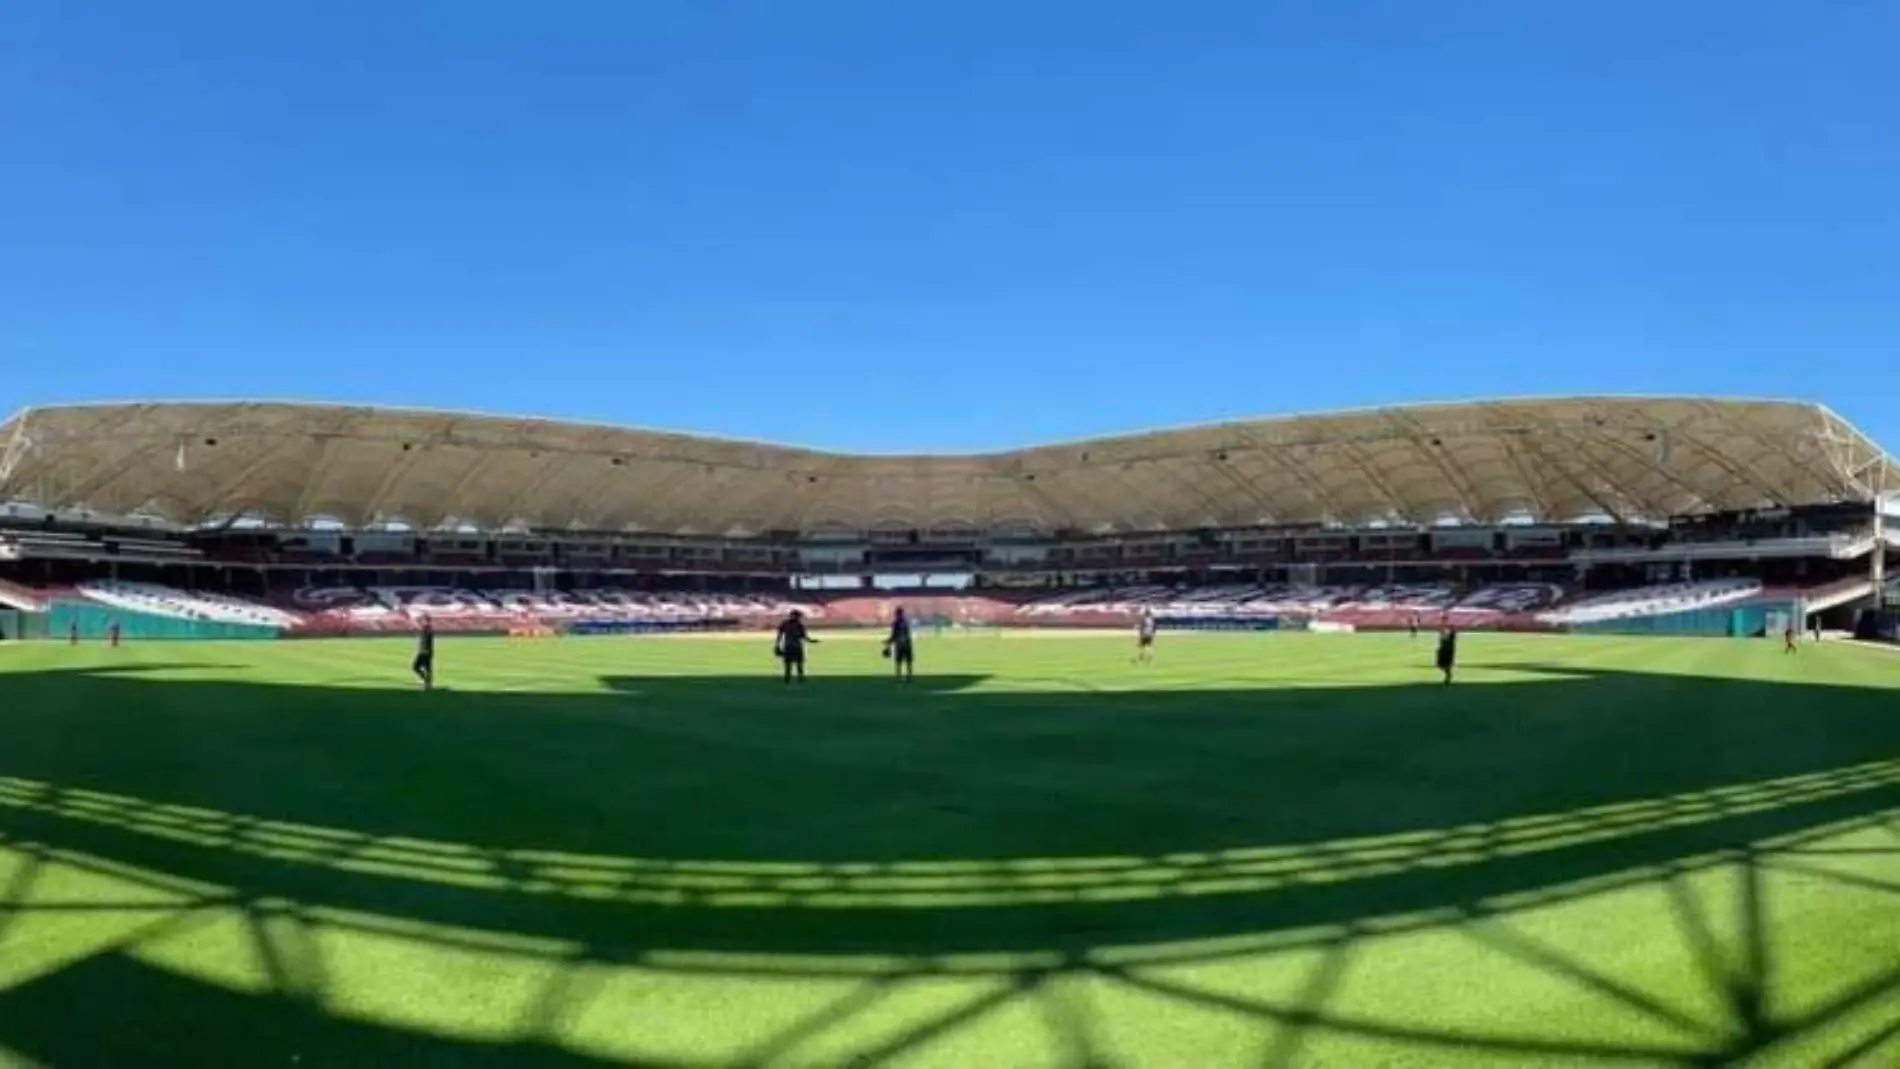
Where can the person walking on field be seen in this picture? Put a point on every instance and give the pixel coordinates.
(424, 664)
(1447, 653)
(789, 646)
(1145, 638)
(899, 649)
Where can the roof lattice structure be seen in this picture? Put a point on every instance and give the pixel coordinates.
(1561, 459)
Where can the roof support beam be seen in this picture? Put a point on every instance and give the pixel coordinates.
(452, 501)
(536, 482)
(1361, 460)
(1868, 474)
(235, 485)
(1534, 487)
(117, 470)
(397, 471)
(687, 504)
(19, 443)
(822, 499)
(1245, 485)
(1211, 503)
(775, 502)
(631, 495)
(1427, 443)
(1315, 491)
(1468, 497)
(1580, 455)
(1635, 456)
(1153, 508)
(104, 475)
(675, 499)
(307, 497)
(1741, 475)
(1055, 515)
(1576, 482)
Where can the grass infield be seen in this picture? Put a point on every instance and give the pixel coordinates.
(1261, 851)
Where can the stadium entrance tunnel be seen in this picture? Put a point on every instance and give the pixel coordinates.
(242, 870)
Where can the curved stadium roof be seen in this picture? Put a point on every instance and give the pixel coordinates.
(1534, 459)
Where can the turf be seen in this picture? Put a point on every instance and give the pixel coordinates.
(1262, 851)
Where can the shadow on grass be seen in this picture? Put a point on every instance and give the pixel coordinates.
(853, 829)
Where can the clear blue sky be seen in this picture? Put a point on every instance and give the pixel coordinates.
(879, 224)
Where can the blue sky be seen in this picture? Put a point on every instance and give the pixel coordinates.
(959, 225)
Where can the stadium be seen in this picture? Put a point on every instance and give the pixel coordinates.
(1653, 822)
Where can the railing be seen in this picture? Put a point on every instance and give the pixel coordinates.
(1841, 546)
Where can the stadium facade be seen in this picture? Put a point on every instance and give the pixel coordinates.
(1723, 516)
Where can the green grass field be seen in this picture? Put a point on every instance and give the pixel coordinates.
(1264, 851)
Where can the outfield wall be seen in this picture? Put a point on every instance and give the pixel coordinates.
(1749, 620)
(93, 621)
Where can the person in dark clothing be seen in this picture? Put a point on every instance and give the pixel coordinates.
(1447, 652)
(424, 664)
(898, 648)
(789, 647)
(1145, 637)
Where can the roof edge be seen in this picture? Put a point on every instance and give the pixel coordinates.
(819, 452)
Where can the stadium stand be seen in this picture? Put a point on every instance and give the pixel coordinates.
(924, 610)
(21, 598)
(1654, 601)
(1389, 606)
(1509, 599)
(346, 610)
(156, 600)
(380, 608)
(1379, 519)
(1845, 591)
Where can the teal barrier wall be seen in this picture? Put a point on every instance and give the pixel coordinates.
(95, 620)
(1733, 621)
